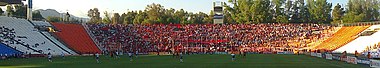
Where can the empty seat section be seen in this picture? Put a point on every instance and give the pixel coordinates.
(341, 37)
(21, 35)
(75, 36)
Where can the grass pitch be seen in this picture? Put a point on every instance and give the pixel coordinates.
(190, 61)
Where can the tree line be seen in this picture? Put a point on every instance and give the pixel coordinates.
(153, 14)
(301, 11)
(251, 11)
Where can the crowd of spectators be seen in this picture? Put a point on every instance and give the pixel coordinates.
(7, 35)
(206, 37)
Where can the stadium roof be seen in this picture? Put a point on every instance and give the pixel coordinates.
(5, 2)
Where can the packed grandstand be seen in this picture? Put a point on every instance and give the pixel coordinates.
(207, 37)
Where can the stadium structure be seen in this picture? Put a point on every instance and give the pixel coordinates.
(218, 12)
(25, 37)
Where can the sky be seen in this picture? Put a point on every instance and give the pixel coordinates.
(79, 8)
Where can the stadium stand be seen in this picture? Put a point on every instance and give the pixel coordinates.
(75, 36)
(4, 49)
(45, 26)
(343, 36)
(205, 37)
(365, 39)
(24, 37)
(57, 42)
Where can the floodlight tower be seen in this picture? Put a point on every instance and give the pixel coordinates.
(29, 10)
(218, 12)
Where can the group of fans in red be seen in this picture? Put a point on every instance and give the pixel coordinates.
(204, 38)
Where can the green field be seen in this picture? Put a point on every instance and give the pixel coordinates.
(190, 61)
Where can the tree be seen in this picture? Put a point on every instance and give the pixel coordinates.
(155, 13)
(169, 16)
(190, 19)
(227, 18)
(94, 15)
(115, 18)
(259, 11)
(319, 11)
(1, 12)
(130, 17)
(337, 13)
(20, 11)
(200, 18)
(171, 12)
(140, 17)
(122, 17)
(10, 11)
(231, 11)
(282, 10)
(243, 11)
(298, 13)
(279, 15)
(54, 19)
(371, 10)
(288, 11)
(180, 16)
(228, 15)
(361, 11)
(37, 15)
(303, 12)
(107, 18)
